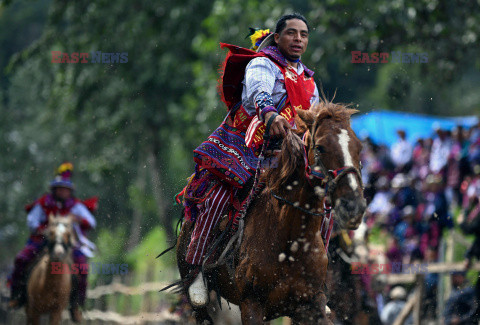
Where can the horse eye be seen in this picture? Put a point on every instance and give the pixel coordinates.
(320, 149)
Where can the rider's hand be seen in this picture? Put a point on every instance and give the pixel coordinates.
(76, 219)
(279, 125)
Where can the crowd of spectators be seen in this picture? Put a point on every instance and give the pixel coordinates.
(418, 190)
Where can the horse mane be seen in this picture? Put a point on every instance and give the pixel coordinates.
(326, 109)
(292, 154)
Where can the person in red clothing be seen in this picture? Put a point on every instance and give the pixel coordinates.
(60, 201)
(263, 86)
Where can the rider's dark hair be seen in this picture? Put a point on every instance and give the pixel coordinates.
(282, 22)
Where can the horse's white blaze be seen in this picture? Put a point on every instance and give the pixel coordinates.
(59, 231)
(343, 139)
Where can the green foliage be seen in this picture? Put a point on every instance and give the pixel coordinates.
(110, 243)
(143, 257)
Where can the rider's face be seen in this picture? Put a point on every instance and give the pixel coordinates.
(293, 39)
(63, 193)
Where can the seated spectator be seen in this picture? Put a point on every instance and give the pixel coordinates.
(407, 233)
(435, 214)
(393, 308)
(421, 157)
(469, 219)
(437, 206)
(474, 149)
(369, 159)
(401, 152)
(380, 205)
(394, 251)
(404, 193)
(462, 304)
(440, 151)
(458, 166)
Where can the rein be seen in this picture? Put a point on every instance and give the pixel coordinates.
(234, 243)
(296, 206)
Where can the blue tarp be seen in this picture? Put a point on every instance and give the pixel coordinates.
(381, 126)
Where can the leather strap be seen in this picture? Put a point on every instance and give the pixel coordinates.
(269, 124)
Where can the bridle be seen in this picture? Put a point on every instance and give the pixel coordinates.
(51, 244)
(329, 178)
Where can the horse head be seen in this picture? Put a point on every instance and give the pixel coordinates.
(60, 236)
(333, 160)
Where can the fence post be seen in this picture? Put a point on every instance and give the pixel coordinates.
(128, 298)
(146, 296)
(420, 288)
(441, 283)
(113, 299)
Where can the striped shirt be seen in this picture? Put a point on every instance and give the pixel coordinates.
(264, 79)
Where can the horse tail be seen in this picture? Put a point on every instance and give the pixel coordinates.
(179, 222)
(177, 287)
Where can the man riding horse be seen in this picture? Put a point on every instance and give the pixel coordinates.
(59, 202)
(262, 89)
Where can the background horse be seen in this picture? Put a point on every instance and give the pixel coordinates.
(280, 267)
(48, 290)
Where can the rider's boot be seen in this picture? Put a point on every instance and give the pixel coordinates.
(17, 296)
(75, 311)
(198, 291)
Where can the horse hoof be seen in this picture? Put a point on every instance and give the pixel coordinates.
(14, 304)
(76, 315)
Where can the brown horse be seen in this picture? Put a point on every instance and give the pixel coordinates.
(48, 289)
(280, 267)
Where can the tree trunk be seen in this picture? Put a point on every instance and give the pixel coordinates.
(135, 233)
(159, 193)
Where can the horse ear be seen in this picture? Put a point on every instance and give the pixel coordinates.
(307, 116)
(308, 140)
(352, 111)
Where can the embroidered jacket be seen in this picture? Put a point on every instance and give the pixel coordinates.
(263, 82)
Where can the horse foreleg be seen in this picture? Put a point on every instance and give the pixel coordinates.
(201, 316)
(56, 317)
(33, 318)
(314, 312)
(252, 312)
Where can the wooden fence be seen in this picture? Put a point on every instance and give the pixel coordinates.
(102, 306)
(414, 303)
